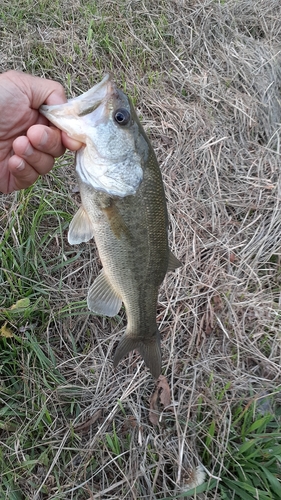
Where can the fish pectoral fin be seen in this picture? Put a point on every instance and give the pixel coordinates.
(173, 262)
(81, 229)
(102, 299)
(149, 349)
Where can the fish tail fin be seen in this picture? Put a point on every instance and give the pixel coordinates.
(149, 349)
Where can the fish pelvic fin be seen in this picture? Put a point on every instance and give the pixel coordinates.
(149, 349)
(102, 299)
(173, 262)
(81, 229)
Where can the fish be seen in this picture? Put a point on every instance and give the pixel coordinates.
(123, 207)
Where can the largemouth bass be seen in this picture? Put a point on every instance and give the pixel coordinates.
(123, 208)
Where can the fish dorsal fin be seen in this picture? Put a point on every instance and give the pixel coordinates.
(80, 229)
(102, 299)
(173, 262)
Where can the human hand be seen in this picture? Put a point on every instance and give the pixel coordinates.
(28, 145)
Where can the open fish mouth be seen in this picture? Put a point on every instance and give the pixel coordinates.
(66, 116)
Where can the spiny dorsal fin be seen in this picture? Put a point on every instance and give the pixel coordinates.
(102, 299)
(81, 228)
(173, 262)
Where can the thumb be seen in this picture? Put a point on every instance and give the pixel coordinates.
(38, 90)
(45, 91)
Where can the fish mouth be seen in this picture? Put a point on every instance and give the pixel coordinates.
(67, 116)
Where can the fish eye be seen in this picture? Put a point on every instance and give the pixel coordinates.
(122, 116)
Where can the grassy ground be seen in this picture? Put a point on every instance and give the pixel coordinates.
(205, 78)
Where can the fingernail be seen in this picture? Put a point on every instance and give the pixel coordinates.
(21, 165)
(29, 151)
(44, 138)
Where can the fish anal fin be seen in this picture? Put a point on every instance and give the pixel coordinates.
(149, 349)
(173, 262)
(102, 299)
(81, 229)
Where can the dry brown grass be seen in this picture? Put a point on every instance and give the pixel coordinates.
(206, 80)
